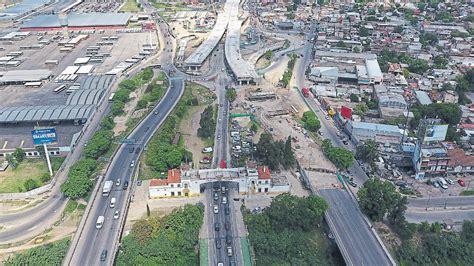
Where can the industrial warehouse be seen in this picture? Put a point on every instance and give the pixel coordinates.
(88, 21)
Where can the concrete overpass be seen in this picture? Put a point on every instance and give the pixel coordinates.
(197, 58)
(244, 72)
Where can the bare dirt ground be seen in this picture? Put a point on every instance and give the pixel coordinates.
(121, 121)
(161, 207)
(189, 127)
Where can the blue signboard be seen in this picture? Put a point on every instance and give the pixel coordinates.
(44, 136)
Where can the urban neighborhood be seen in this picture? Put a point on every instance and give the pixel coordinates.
(236, 132)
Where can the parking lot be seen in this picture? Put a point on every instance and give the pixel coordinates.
(242, 139)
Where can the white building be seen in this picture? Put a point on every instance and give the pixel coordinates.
(188, 183)
(373, 70)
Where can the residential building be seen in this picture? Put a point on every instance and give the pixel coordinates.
(460, 162)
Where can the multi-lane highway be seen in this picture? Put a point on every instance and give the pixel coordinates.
(92, 241)
(224, 242)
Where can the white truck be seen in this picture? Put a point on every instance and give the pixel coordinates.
(107, 188)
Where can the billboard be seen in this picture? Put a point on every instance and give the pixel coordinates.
(44, 136)
(346, 112)
(435, 133)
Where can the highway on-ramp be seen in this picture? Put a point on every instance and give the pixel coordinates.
(92, 241)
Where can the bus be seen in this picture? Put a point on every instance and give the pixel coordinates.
(111, 98)
(60, 89)
(155, 66)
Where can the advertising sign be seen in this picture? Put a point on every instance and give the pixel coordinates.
(44, 136)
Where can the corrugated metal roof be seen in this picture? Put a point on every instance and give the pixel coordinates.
(423, 97)
(79, 20)
(375, 127)
(45, 113)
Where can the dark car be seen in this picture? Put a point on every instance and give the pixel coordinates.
(131, 149)
(227, 226)
(217, 226)
(139, 182)
(125, 185)
(228, 239)
(227, 210)
(137, 150)
(103, 255)
(218, 243)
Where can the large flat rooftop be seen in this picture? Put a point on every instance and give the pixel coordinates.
(79, 20)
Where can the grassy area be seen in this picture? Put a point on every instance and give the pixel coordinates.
(467, 193)
(13, 180)
(164, 136)
(131, 6)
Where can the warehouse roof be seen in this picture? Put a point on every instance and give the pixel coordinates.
(373, 68)
(82, 97)
(19, 76)
(375, 127)
(45, 113)
(79, 20)
(96, 82)
(23, 7)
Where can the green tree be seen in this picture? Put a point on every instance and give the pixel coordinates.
(48, 254)
(363, 32)
(288, 155)
(377, 198)
(231, 94)
(340, 157)
(30, 184)
(361, 109)
(207, 123)
(76, 186)
(268, 55)
(398, 29)
(107, 123)
(99, 144)
(11, 161)
(19, 155)
(367, 151)
(311, 122)
(440, 61)
(354, 98)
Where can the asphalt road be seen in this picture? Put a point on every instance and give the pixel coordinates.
(359, 242)
(93, 241)
(456, 216)
(438, 202)
(227, 226)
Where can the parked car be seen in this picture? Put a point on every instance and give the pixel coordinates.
(461, 183)
(450, 181)
(436, 184)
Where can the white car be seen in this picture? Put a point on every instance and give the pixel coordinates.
(132, 164)
(216, 209)
(116, 215)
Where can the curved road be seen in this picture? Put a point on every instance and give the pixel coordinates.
(93, 241)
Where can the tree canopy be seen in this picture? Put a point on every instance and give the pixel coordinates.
(340, 157)
(171, 240)
(49, 254)
(288, 232)
(275, 153)
(311, 122)
(377, 198)
(231, 94)
(367, 151)
(79, 183)
(207, 123)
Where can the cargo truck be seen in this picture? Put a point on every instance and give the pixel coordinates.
(107, 188)
(305, 92)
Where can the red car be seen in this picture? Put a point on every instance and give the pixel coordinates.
(461, 183)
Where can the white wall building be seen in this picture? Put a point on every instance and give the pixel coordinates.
(189, 183)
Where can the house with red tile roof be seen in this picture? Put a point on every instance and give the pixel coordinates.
(189, 182)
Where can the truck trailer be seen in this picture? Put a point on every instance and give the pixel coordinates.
(107, 188)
